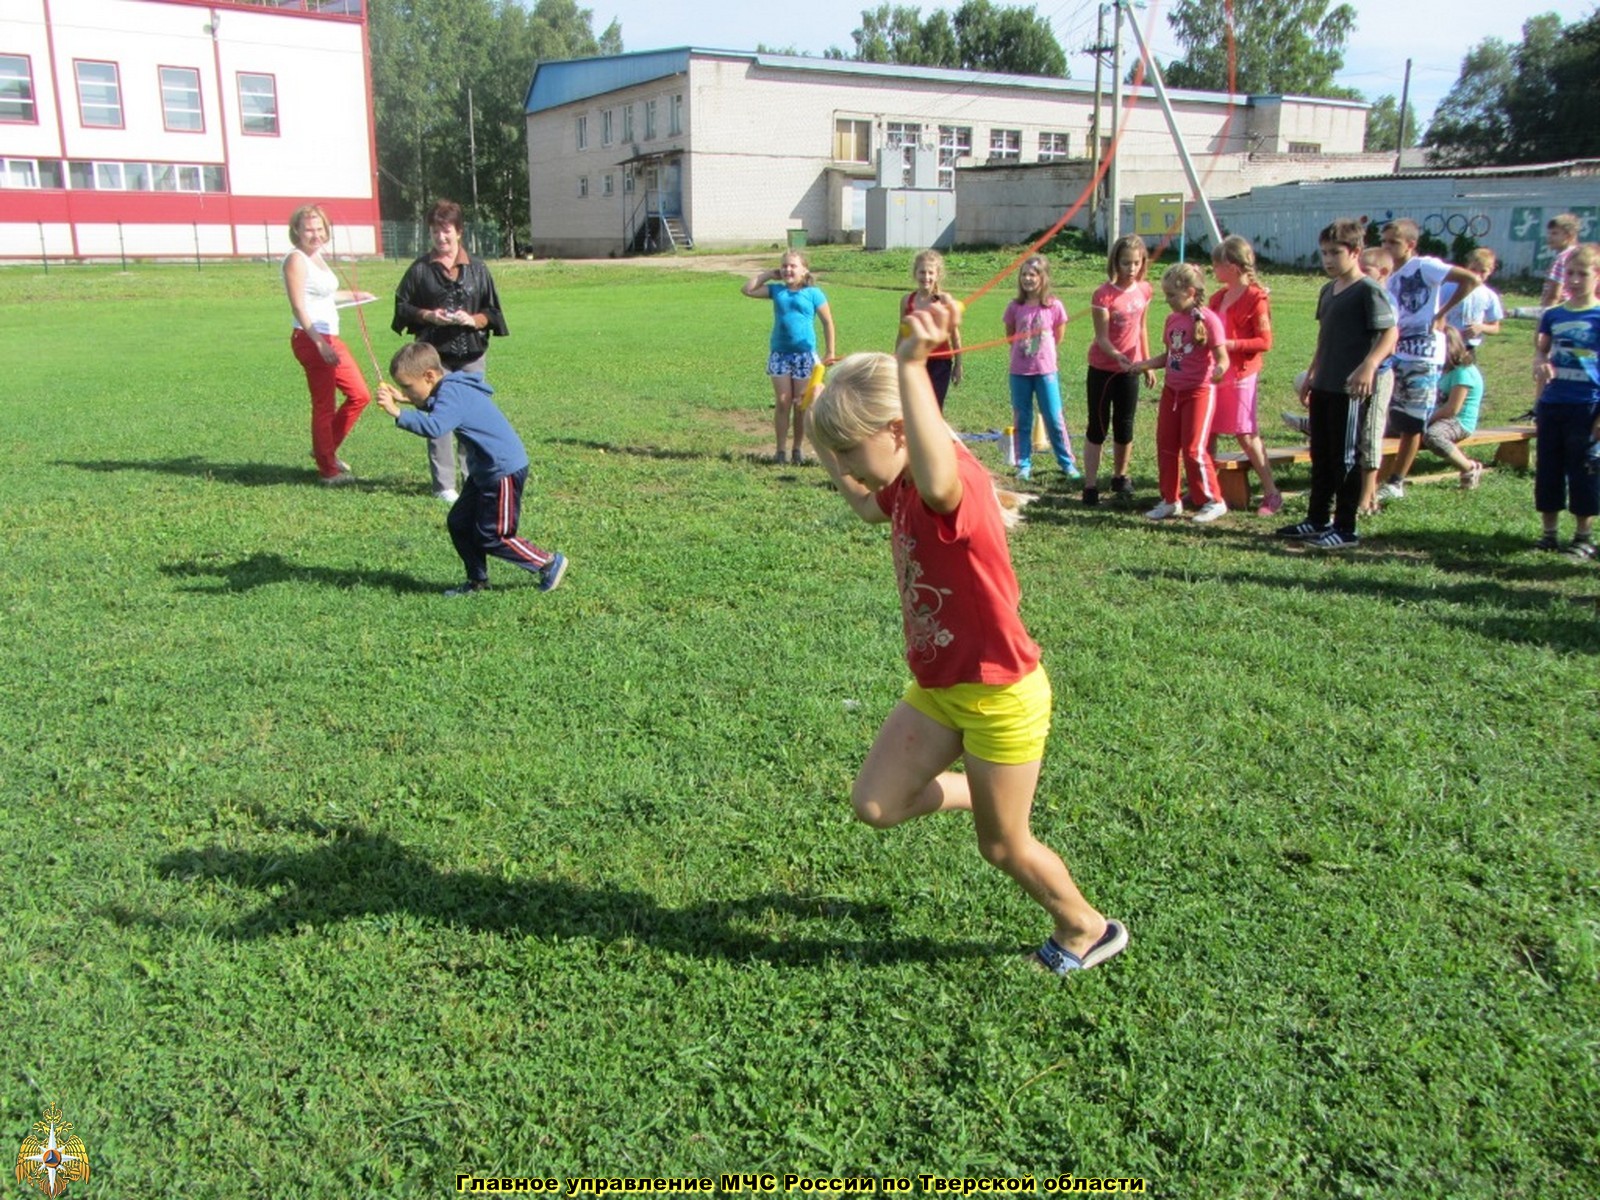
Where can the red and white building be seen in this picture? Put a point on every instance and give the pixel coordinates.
(168, 128)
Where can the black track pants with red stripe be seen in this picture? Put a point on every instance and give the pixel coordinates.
(484, 521)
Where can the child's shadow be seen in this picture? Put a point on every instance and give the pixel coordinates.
(354, 873)
(262, 569)
(242, 474)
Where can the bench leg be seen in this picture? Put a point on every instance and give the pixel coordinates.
(1235, 489)
(1513, 454)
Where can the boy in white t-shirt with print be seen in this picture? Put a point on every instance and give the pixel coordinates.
(1421, 289)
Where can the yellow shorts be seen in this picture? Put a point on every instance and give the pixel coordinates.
(1005, 723)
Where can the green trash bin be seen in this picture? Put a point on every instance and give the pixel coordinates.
(797, 239)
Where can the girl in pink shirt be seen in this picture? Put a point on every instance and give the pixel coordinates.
(1241, 302)
(1035, 321)
(1194, 357)
(1120, 339)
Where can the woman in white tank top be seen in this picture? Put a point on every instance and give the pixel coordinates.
(314, 295)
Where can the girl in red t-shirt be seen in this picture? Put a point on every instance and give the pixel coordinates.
(1241, 302)
(944, 364)
(978, 693)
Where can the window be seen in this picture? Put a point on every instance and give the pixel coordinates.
(19, 173)
(1005, 145)
(606, 185)
(955, 141)
(99, 94)
(649, 120)
(627, 183)
(108, 177)
(1053, 147)
(675, 116)
(258, 104)
(852, 140)
(583, 187)
(164, 177)
(16, 90)
(180, 100)
(214, 179)
(627, 123)
(80, 176)
(606, 122)
(136, 177)
(1305, 147)
(583, 132)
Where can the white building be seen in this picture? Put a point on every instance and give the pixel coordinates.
(730, 147)
(182, 127)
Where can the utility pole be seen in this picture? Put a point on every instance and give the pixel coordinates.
(1400, 139)
(1099, 51)
(1113, 190)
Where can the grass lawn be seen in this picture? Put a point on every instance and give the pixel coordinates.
(319, 884)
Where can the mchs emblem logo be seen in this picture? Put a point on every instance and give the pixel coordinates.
(52, 1156)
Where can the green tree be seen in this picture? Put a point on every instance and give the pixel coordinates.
(1279, 47)
(427, 56)
(1383, 125)
(1530, 102)
(980, 37)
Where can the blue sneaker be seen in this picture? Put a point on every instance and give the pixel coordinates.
(1072, 471)
(553, 573)
(1025, 472)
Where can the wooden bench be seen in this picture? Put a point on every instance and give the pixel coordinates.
(1512, 443)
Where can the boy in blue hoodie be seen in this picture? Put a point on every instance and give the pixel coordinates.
(483, 519)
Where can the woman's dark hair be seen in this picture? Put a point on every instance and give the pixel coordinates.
(445, 212)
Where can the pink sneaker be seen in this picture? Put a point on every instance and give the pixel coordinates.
(1270, 504)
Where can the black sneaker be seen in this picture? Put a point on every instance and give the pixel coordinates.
(1333, 539)
(1304, 531)
(470, 588)
(1091, 496)
(1121, 485)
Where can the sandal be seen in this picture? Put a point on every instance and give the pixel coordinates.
(1058, 960)
(1581, 549)
(1547, 541)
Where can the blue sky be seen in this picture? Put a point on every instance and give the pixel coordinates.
(1374, 59)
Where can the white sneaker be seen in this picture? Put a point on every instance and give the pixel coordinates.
(1393, 490)
(1163, 511)
(448, 495)
(1210, 512)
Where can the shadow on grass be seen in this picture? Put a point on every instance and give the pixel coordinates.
(659, 452)
(357, 873)
(260, 570)
(243, 474)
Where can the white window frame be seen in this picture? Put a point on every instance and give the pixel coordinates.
(675, 115)
(607, 184)
(583, 187)
(607, 123)
(22, 173)
(1054, 147)
(627, 122)
(649, 120)
(1005, 145)
(955, 142)
(581, 129)
(852, 133)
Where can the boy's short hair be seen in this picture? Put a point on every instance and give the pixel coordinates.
(1406, 228)
(1567, 223)
(1376, 256)
(413, 360)
(1345, 231)
(1482, 259)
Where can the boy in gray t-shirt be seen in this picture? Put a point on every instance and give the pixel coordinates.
(1356, 333)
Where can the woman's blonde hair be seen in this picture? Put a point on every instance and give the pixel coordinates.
(1128, 241)
(1039, 263)
(861, 396)
(297, 222)
(1238, 251)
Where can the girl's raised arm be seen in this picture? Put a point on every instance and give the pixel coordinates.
(928, 441)
(756, 286)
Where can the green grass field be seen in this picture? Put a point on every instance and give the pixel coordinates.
(319, 884)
